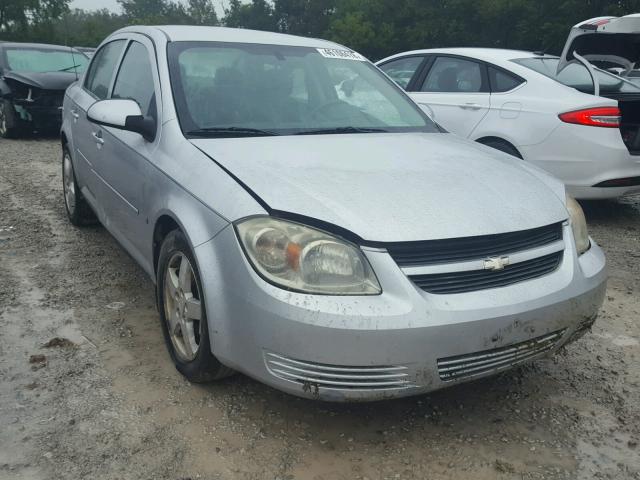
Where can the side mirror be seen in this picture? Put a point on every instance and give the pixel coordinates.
(122, 114)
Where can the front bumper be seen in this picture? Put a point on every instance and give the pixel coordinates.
(40, 117)
(358, 348)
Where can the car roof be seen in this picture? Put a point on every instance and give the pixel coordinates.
(42, 46)
(486, 54)
(190, 33)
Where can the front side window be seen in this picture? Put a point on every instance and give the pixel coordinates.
(41, 60)
(577, 76)
(284, 90)
(102, 68)
(135, 79)
(402, 70)
(456, 75)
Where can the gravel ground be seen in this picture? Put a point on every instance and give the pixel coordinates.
(87, 389)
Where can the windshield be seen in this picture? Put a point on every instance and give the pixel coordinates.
(45, 60)
(284, 90)
(577, 76)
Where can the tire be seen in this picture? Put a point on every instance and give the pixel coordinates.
(78, 210)
(9, 123)
(183, 314)
(503, 146)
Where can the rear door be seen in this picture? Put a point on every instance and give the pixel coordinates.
(87, 141)
(455, 91)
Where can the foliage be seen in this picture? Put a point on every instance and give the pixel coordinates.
(375, 28)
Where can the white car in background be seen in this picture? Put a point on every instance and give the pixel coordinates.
(517, 102)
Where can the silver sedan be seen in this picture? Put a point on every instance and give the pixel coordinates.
(308, 225)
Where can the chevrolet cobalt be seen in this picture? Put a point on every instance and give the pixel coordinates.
(308, 225)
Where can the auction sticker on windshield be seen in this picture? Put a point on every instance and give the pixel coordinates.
(341, 54)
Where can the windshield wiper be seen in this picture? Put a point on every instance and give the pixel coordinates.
(230, 132)
(67, 68)
(323, 131)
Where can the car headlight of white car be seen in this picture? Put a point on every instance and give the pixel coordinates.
(578, 225)
(304, 259)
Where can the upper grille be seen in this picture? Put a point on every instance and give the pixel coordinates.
(472, 364)
(314, 375)
(468, 281)
(453, 250)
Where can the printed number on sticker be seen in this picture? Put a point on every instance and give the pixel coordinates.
(341, 54)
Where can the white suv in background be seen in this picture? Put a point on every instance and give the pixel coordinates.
(516, 102)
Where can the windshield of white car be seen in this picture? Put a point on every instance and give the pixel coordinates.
(41, 60)
(577, 76)
(284, 90)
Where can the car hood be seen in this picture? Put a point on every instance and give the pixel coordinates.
(43, 80)
(611, 39)
(393, 187)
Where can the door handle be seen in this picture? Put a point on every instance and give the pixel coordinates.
(75, 114)
(97, 136)
(471, 106)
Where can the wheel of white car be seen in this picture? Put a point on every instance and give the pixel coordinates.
(78, 210)
(183, 312)
(501, 145)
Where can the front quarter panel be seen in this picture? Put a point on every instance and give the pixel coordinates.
(193, 190)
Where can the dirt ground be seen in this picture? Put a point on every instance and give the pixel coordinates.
(87, 389)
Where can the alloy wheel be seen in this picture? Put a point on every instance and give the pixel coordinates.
(69, 184)
(182, 307)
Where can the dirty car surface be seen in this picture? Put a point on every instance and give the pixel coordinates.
(330, 247)
(33, 78)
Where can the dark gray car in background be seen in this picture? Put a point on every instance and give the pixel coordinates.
(33, 78)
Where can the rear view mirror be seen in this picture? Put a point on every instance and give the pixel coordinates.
(122, 114)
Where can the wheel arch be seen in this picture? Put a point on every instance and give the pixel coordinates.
(488, 139)
(198, 225)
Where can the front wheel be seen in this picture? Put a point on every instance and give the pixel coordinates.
(183, 313)
(9, 124)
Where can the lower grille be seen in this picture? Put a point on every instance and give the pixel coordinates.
(478, 363)
(314, 375)
(471, 280)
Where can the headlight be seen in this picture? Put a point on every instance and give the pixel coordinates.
(301, 258)
(578, 225)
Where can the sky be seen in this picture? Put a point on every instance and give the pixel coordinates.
(114, 6)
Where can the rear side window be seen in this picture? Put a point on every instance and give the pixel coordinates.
(135, 79)
(402, 70)
(102, 68)
(502, 81)
(451, 74)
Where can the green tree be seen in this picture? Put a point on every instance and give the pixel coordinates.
(258, 15)
(18, 16)
(304, 17)
(202, 12)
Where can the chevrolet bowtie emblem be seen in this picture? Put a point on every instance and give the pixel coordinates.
(496, 263)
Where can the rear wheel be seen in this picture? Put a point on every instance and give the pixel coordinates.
(183, 313)
(78, 210)
(9, 123)
(501, 145)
